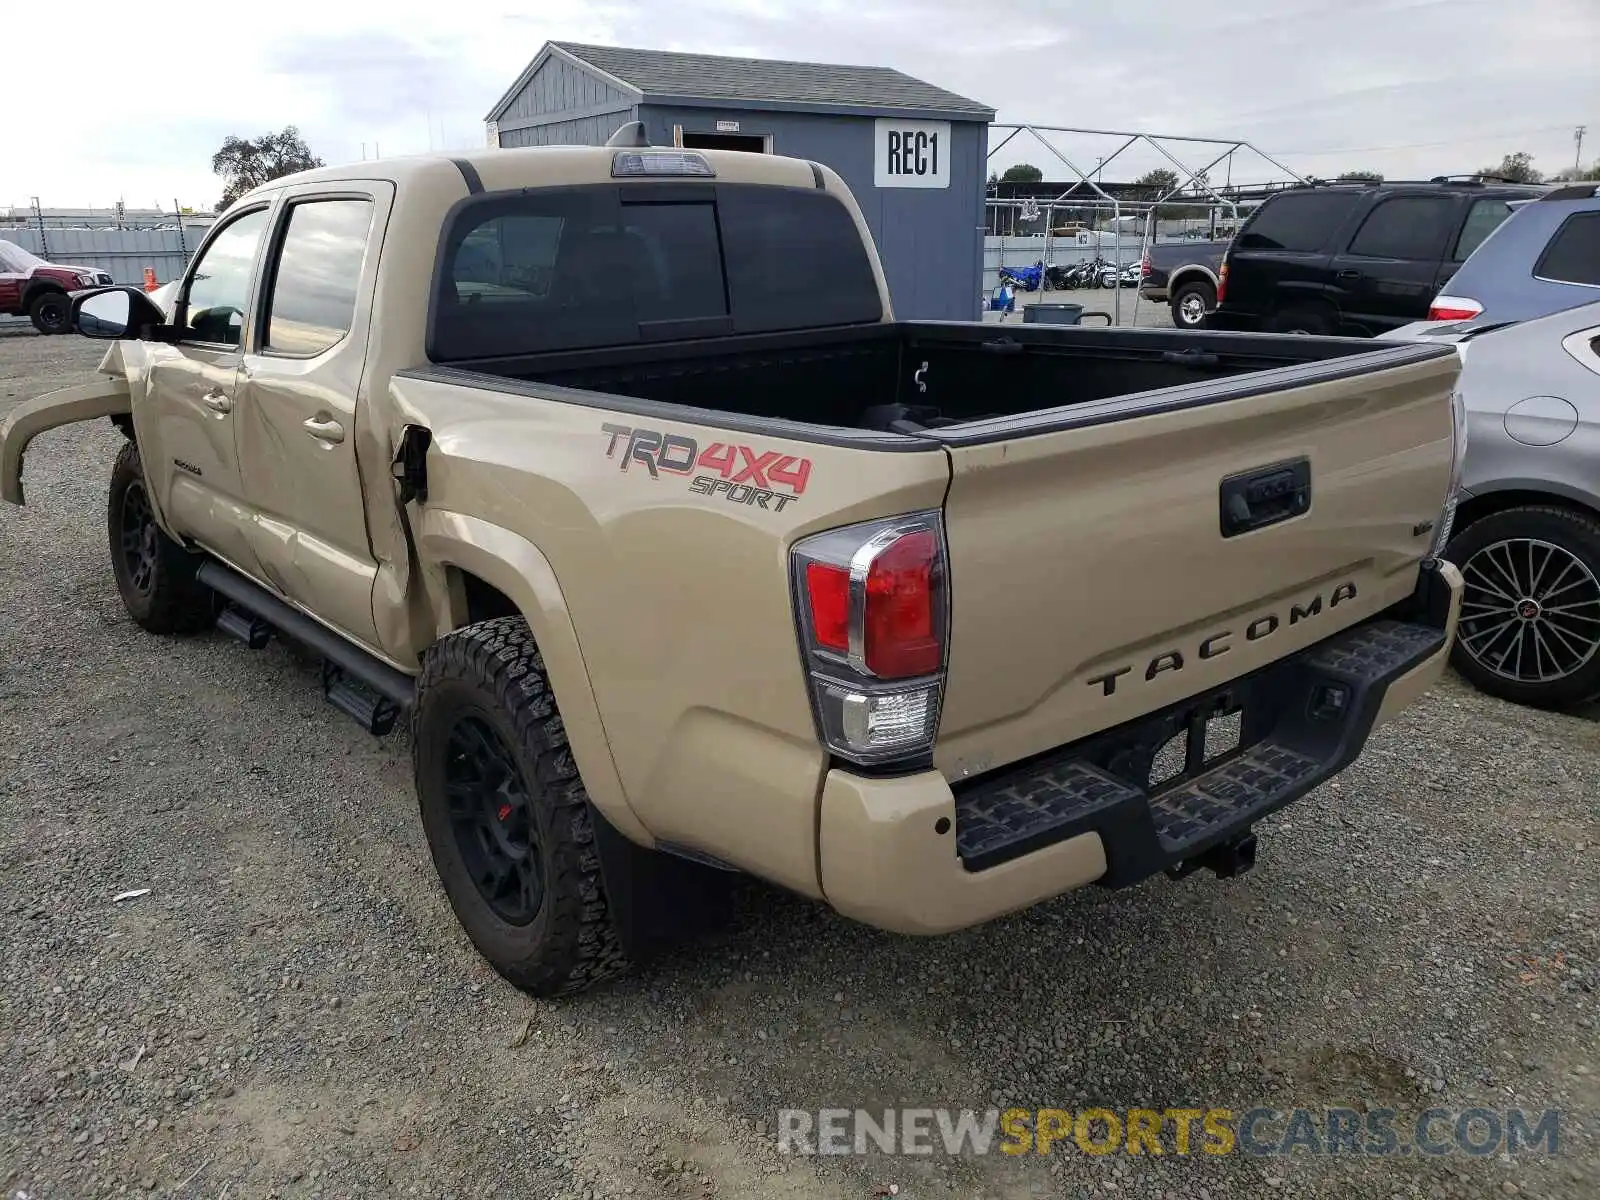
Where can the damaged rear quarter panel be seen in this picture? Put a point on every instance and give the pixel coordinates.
(674, 566)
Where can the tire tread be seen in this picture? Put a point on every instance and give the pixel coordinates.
(582, 947)
(179, 603)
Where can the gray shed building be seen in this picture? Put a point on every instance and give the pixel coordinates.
(914, 155)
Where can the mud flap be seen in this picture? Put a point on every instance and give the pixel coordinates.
(658, 899)
(103, 398)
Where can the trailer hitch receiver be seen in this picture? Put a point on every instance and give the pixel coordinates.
(1225, 860)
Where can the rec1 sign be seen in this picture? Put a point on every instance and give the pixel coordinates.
(911, 154)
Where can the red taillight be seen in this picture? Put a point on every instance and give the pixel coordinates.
(1144, 265)
(900, 622)
(828, 588)
(1454, 308)
(873, 604)
(1222, 282)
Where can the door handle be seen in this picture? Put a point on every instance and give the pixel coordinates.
(218, 402)
(324, 429)
(1348, 274)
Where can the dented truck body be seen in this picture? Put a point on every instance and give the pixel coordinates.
(928, 621)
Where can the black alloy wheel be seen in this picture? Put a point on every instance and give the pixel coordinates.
(492, 815)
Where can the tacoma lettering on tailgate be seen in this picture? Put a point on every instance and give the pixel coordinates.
(1217, 644)
(740, 474)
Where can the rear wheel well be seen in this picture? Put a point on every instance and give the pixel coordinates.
(484, 601)
(1476, 508)
(1185, 278)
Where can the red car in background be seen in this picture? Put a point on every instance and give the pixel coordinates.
(33, 288)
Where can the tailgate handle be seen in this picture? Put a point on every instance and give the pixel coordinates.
(1264, 496)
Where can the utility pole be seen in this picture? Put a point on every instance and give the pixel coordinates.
(1577, 136)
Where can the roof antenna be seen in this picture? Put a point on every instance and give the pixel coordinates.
(631, 135)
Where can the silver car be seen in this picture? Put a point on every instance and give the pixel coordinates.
(1527, 529)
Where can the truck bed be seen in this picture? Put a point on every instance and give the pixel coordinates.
(912, 377)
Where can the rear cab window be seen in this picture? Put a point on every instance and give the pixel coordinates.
(592, 266)
(1302, 221)
(1573, 255)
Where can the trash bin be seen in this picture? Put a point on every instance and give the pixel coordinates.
(1053, 313)
(1059, 313)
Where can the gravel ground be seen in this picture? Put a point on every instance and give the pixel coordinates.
(291, 1010)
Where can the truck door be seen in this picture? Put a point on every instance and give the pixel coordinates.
(297, 413)
(187, 416)
(1388, 275)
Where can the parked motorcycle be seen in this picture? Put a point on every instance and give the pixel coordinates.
(1023, 279)
(1058, 277)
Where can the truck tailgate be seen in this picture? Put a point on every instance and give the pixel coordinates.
(1126, 559)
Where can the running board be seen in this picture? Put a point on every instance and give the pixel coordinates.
(354, 681)
(247, 627)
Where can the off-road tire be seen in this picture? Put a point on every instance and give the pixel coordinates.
(166, 598)
(1313, 322)
(1574, 532)
(1208, 301)
(51, 312)
(494, 673)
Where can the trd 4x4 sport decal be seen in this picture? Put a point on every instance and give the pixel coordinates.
(741, 474)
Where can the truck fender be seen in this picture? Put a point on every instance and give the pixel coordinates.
(102, 398)
(1194, 270)
(515, 566)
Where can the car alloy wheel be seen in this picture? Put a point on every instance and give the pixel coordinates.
(1530, 610)
(492, 815)
(1192, 309)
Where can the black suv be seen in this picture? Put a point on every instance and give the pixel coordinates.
(1355, 259)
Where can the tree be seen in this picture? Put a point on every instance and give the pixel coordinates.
(245, 163)
(1359, 177)
(1516, 167)
(1578, 174)
(1022, 173)
(1161, 181)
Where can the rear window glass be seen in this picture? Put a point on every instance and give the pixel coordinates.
(794, 259)
(1483, 218)
(1406, 227)
(1300, 222)
(585, 267)
(1573, 255)
(676, 257)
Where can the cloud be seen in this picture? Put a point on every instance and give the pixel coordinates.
(1408, 87)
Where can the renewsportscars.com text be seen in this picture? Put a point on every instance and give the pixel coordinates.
(1370, 1132)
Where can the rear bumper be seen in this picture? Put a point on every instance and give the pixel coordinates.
(1153, 291)
(912, 855)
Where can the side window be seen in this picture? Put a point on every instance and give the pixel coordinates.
(1406, 227)
(1302, 222)
(314, 282)
(219, 288)
(1573, 255)
(1483, 218)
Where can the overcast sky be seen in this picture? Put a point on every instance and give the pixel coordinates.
(138, 102)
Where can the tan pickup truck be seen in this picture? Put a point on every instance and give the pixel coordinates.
(610, 470)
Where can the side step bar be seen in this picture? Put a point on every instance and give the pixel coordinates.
(353, 680)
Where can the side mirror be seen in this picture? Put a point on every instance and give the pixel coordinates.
(117, 312)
